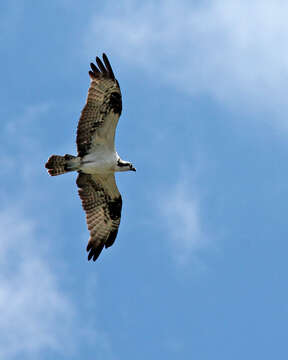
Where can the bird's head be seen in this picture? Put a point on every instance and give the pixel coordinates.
(125, 166)
(131, 167)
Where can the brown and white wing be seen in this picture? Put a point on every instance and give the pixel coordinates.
(102, 203)
(102, 110)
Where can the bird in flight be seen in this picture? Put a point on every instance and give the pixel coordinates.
(97, 159)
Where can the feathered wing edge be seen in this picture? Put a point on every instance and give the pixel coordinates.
(104, 98)
(103, 213)
(104, 70)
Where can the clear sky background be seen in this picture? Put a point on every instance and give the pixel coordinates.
(199, 267)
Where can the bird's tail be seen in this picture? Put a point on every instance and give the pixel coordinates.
(57, 165)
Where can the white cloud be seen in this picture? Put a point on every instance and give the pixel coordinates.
(180, 211)
(38, 316)
(22, 149)
(31, 304)
(233, 50)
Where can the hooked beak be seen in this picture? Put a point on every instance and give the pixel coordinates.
(133, 169)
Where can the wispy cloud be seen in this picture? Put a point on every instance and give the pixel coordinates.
(21, 148)
(31, 304)
(38, 315)
(180, 211)
(233, 50)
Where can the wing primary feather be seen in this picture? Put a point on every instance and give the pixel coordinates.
(101, 66)
(90, 255)
(108, 66)
(91, 74)
(111, 238)
(97, 252)
(94, 68)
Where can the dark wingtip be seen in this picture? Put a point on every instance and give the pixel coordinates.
(111, 238)
(108, 66)
(94, 252)
(91, 74)
(94, 69)
(101, 65)
(104, 68)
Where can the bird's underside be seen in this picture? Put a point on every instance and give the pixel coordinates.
(97, 159)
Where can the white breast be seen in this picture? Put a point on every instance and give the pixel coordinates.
(101, 160)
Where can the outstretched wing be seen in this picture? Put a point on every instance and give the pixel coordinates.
(102, 203)
(103, 108)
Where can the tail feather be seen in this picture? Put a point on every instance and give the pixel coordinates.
(57, 165)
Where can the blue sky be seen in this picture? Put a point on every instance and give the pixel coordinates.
(199, 266)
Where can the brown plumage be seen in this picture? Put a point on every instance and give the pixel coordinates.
(104, 101)
(100, 197)
(57, 165)
(102, 203)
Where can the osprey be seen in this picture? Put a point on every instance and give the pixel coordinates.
(97, 159)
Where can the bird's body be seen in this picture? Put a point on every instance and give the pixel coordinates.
(103, 160)
(97, 159)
